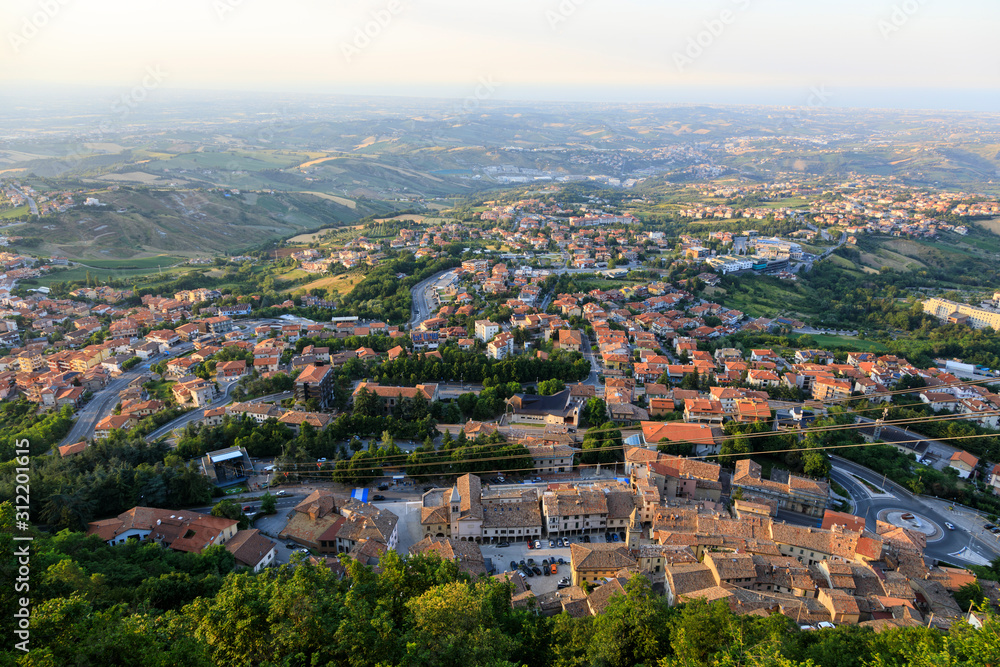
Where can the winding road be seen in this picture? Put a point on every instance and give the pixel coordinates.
(945, 544)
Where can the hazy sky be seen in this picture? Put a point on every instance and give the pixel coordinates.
(928, 54)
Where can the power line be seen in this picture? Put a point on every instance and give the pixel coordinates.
(400, 459)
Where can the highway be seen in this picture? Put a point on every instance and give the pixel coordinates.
(945, 544)
(104, 400)
(100, 406)
(221, 400)
(421, 308)
(940, 451)
(595, 368)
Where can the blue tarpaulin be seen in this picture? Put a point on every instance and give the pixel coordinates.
(360, 494)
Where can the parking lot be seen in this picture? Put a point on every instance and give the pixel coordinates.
(502, 556)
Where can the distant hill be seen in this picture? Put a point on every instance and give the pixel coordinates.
(137, 221)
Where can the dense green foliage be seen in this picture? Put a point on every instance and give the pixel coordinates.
(21, 422)
(108, 478)
(384, 294)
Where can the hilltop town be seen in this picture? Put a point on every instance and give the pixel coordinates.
(548, 378)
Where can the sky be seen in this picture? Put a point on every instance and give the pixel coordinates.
(875, 53)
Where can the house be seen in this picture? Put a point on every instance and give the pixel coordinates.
(485, 330)
(72, 450)
(193, 390)
(570, 339)
(333, 525)
(142, 408)
(71, 396)
(501, 347)
(705, 437)
(703, 410)
(392, 396)
(231, 369)
(111, 423)
(752, 410)
(552, 458)
(763, 378)
(555, 409)
(315, 382)
(596, 562)
(466, 508)
(252, 550)
(294, 419)
(259, 412)
(181, 530)
(792, 493)
(219, 324)
(831, 389)
(510, 515)
(964, 462)
(467, 555)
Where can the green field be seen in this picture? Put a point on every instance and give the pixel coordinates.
(80, 273)
(768, 298)
(127, 264)
(827, 341)
(14, 212)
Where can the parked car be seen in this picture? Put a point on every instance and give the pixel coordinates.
(531, 561)
(513, 565)
(504, 544)
(545, 562)
(303, 551)
(528, 571)
(536, 570)
(586, 538)
(614, 537)
(538, 544)
(622, 535)
(607, 537)
(531, 545)
(546, 571)
(383, 487)
(561, 561)
(563, 583)
(552, 544)
(553, 568)
(989, 526)
(291, 545)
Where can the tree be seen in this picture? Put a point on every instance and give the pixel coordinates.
(970, 595)
(815, 464)
(367, 404)
(227, 509)
(633, 628)
(551, 387)
(268, 504)
(595, 411)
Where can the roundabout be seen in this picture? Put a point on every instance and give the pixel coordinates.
(912, 521)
